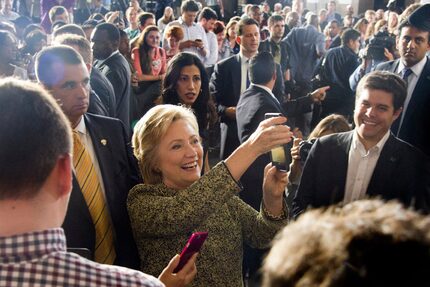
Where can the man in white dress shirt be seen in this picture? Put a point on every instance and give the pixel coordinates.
(368, 161)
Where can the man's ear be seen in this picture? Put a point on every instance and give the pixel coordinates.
(397, 113)
(64, 174)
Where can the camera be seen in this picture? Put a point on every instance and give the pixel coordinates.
(304, 148)
(377, 44)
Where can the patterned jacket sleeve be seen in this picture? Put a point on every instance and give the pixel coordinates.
(155, 210)
(257, 229)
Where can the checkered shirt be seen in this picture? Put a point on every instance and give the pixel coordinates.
(41, 259)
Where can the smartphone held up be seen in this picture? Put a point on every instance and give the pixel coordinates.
(279, 157)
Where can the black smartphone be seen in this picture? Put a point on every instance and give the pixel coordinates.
(193, 245)
(278, 155)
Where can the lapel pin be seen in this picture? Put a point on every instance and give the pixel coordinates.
(103, 141)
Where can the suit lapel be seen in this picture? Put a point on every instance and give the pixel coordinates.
(102, 148)
(340, 165)
(419, 93)
(236, 70)
(386, 163)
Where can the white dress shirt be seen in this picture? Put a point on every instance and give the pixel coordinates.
(244, 66)
(361, 164)
(212, 58)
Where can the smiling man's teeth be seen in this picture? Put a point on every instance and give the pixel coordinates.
(369, 123)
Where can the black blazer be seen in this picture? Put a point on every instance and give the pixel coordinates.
(119, 172)
(416, 123)
(270, 46)
(252, 106)
(401, 173)
(225, 88)
(117, 70)
(103, 88)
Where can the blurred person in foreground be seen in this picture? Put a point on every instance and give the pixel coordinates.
(364, 243)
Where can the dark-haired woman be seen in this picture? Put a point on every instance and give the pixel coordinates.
(187, 83)
(149, 61)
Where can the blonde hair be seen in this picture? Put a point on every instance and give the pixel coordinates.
(149, 131)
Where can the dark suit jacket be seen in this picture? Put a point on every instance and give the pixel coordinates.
(103, 88)
(225, 87)
(252, 106)
(96, 105)
(270, 47)
(117, 70)
(119, 173)
(416, 123)
(400, 173)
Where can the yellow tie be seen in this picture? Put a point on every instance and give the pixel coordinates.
(90, 186)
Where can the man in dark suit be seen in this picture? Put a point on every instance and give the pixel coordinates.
(413, 43)
(105, 43)
(368, 161)
(62, 71)
(275, 46)
(253, 104)
(230, 79)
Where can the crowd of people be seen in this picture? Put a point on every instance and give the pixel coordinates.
(110, 125)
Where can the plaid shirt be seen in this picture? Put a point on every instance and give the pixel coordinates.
(41, 259)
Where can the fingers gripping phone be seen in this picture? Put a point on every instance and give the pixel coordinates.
(278, 156)
(193, 245)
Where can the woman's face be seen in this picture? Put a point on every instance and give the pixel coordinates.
(219, 38)
(180, 155)
(132, 16)
(168, 12)
(232, 32)
(173, 42)
(153, 39)
(189, 84)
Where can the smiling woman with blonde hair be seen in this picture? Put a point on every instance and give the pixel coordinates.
(176, 201)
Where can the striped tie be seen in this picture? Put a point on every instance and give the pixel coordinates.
(90, 187)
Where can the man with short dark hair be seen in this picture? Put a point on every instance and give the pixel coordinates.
(35, 184)
(338, 64)
(413, 42)
(368, 161)
(105, 169)
(105, 43)
(275, 46)
(332, 14)
(103, 105)
(195, 40)
(334, 33)
(207, 19)
(230, 79)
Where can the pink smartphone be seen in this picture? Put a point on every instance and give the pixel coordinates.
(193, 245)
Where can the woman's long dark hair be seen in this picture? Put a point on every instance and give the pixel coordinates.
(144, 49)
(203, 107)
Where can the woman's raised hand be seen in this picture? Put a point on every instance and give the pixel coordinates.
(269, 134)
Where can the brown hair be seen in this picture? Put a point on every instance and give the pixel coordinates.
(364, 243)
(34, 134)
